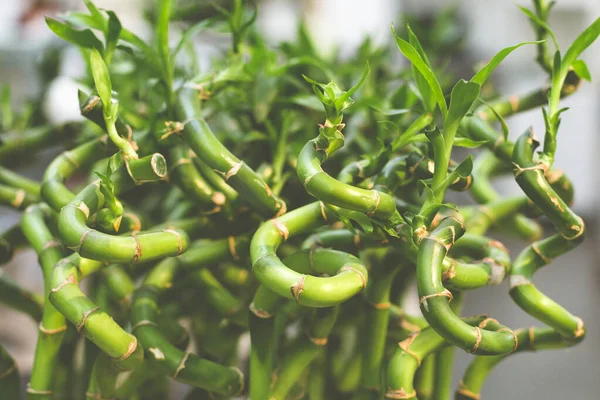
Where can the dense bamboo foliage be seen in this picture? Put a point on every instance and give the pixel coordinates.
(286, 197)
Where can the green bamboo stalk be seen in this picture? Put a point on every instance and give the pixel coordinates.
(17, 298)
(10, 385)
(377, 296)
(347, 274)
(444, 358)
(16, 145)
(529, 174)
(343, 239)
(198, 135)
(184, 367)
(64, 166)
(184, 173)
(119, 284)
(485, 166)
(426, 378)
(329, 190)
(304, 351)
(531, 339)
(76, 235)
(17, 181)
(53, 326)
(16, 198)
(10, 239)
(434, 298)
(408, 356)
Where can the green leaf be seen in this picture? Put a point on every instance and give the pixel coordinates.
(425, 92)
(101, 79)
(95, 13)
(484, 73)
(465, 168)
(462, 98)
(581, 69)
(583, 41)
(503, 124)
(468, 143)
(82, 38)
(413, 56)
(113, 30)
(190, 33)
(537, 21)
(162, 42)
(344, 101)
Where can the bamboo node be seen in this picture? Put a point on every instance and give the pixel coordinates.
(405, 346)
(462, 389)
(137, 253)
(9, 371)
(81, 325)
(179, 162)
(144, 322)
(377, 201)
(578, 229)
(486, 321)
(298, 287)
(537, 251)
(50, 244)
(531, 336)
(282, 208)
(31, 390)
(157, 353)
(580, 331)
(233, 170)
(259, 312)
(318, 341)
(518, 280)
(478, 336)
(281, 228)
(181, 365)
(19, 197)
(50, 332)
(356, 241)
(514, 335)
(380, 306)
(84, 209)
(241, 380)
(231, 244)
(399, 394)
(130, 349)
(179, 241)
(360, 274)
(323, 213)
(444, 293)
(70, 280)
(518, 170)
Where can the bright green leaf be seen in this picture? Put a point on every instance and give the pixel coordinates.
(484, 73)
(413, 56)
(581, 69)
(583, 41)
(83, 38)
(538, 22)
(462, 98)
(101, 79)
(468, 143)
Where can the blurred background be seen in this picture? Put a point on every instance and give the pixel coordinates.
(479, 29)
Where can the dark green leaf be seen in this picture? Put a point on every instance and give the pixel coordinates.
(83, 38)
(344, 101)
(503, 124)
(113, 31)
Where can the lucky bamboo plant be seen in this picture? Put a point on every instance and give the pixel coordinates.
(207, 205)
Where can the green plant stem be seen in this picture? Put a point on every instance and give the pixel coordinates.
(17, 298)
(198, 135)
(434, 298)
(10, 385)
(17, 181)
(444, 358)
(53, 325)
(16, 198)
(347, 274)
